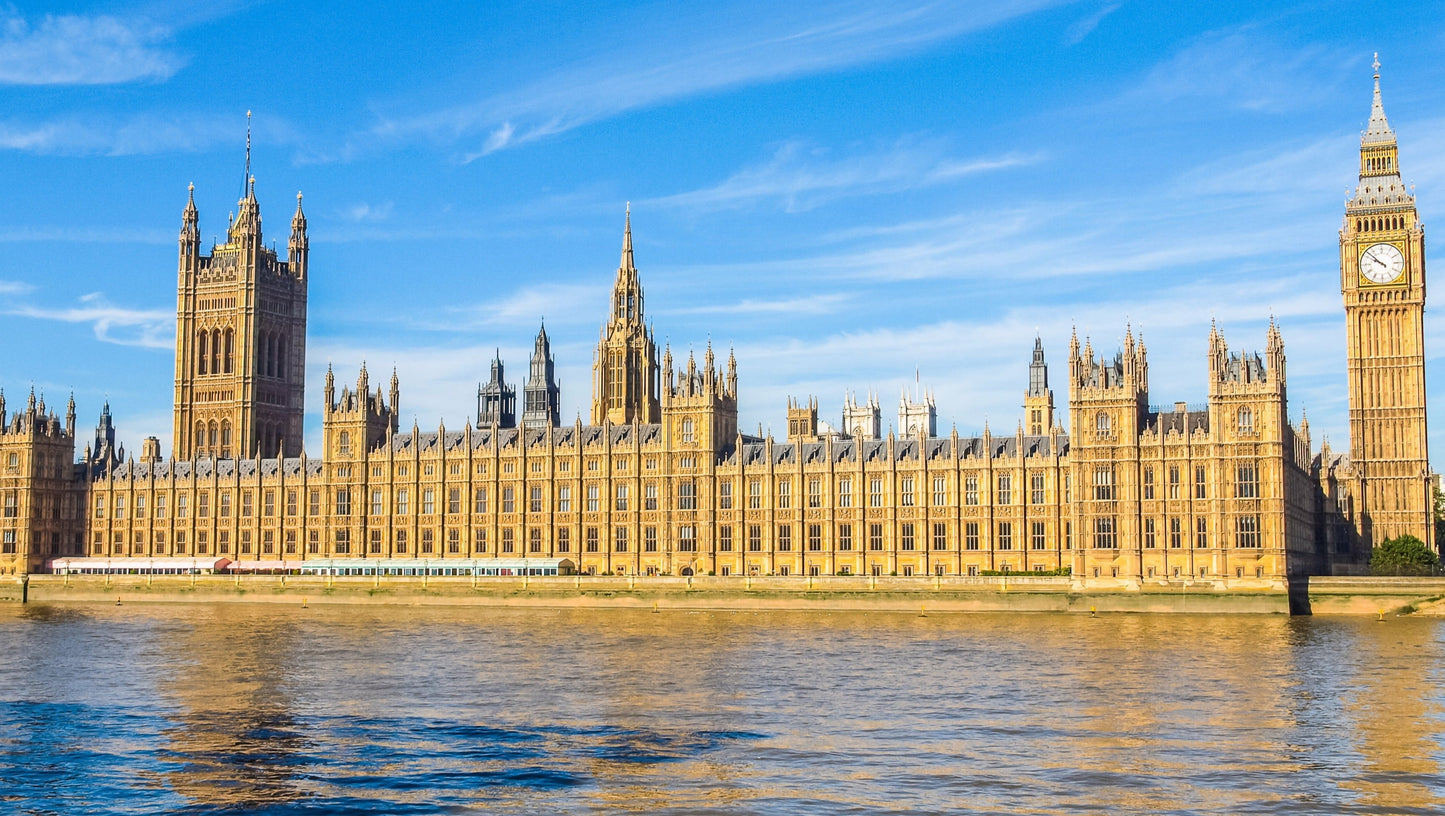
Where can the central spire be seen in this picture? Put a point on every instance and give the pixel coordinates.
(627, 263)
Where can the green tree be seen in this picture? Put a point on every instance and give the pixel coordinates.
(1439, 513)
(1406, 555)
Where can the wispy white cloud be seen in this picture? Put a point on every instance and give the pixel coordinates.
(130, 135)
(816, 304)
(800, 178)
(1086, 25)
(8, 287)
(78, 50)
(787, 42)
(364, 212)
(148, 328)
(1241, 69)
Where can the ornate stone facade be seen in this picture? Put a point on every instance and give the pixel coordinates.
(1227, 492)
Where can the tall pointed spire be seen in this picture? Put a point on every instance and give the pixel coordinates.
(627, 263)
(1379, 127)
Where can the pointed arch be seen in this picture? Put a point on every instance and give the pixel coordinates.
(230, 350)
(203, 352)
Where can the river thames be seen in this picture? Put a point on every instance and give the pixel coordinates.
(409, 710)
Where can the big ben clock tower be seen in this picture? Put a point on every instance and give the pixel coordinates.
(1382, 278)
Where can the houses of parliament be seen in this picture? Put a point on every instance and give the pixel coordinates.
(661, 480)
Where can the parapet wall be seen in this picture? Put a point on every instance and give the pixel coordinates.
(883, 594)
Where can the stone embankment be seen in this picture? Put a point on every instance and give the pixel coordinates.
(1319, 596)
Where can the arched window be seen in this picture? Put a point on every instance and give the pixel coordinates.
(281, 356)
(1246, 421)
(687, 431)
(211, 436)
(230, 349)
(200, 436)
(1101, 422)
(343, 443)
(203, 352)
(216, 351)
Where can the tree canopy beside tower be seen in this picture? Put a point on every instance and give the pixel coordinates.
(1406, 555)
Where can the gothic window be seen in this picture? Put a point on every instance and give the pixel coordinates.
(1104, 484)
(343, 443)
(203, 352)
(785, 538)
(1175, 534)
(845, 492)
(1201, 532)
(815, 493)
(687, 432)
(815, 537)
(686, 538)
(230, 349)
(1148, 482)
(875, 493)
(649, 496)
(906, 537)
(1246, 484)
(970, 536)
(845, 536)
(216, 351)
(1005, 489)
(454, 499)
(1036, 488)
(535, 501)
(1101, 422)
(907, 492)
(621, 539)
(1104, 533)
(200, 436)
(1148, 534)
(622, 498)
(211, 436)
(1246, 531)
(725, 496)
(281, 356)
(785, 493)
(1199, 483)
(970, 490)
(564, 500)
(1246, 421)
(724, 538)
(1005, 535)
(940, 492)
(755, 494)
(1037, 540)
(940, 536)
(509, 501)
(686, 495)
(1173, 482)
(875, 536)
(403, 502)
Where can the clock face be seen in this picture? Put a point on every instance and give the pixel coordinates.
(1382, 263)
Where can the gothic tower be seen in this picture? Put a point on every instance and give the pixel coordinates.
(240, 337)
(540, 396)
(497, 401)
(625, 376)
(862, 420)
(1382, 278)
(1039, 400)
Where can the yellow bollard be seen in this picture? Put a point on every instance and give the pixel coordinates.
(654, 607)
(1382, 615)
(1093, 612)
(303, 603)
(921, 613)
(117, 600)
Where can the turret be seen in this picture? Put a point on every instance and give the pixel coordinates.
(190, 238)
(541, 396)
(298, 248)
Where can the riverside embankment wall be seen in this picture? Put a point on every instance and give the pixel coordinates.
(1320, 596)
(884, 594)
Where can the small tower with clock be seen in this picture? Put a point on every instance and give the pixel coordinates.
(1382, 278)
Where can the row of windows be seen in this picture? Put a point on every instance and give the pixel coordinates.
(1104, 489)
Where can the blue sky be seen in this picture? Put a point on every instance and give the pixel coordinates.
(846, 192)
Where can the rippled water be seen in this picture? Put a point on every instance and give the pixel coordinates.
(203, 709)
